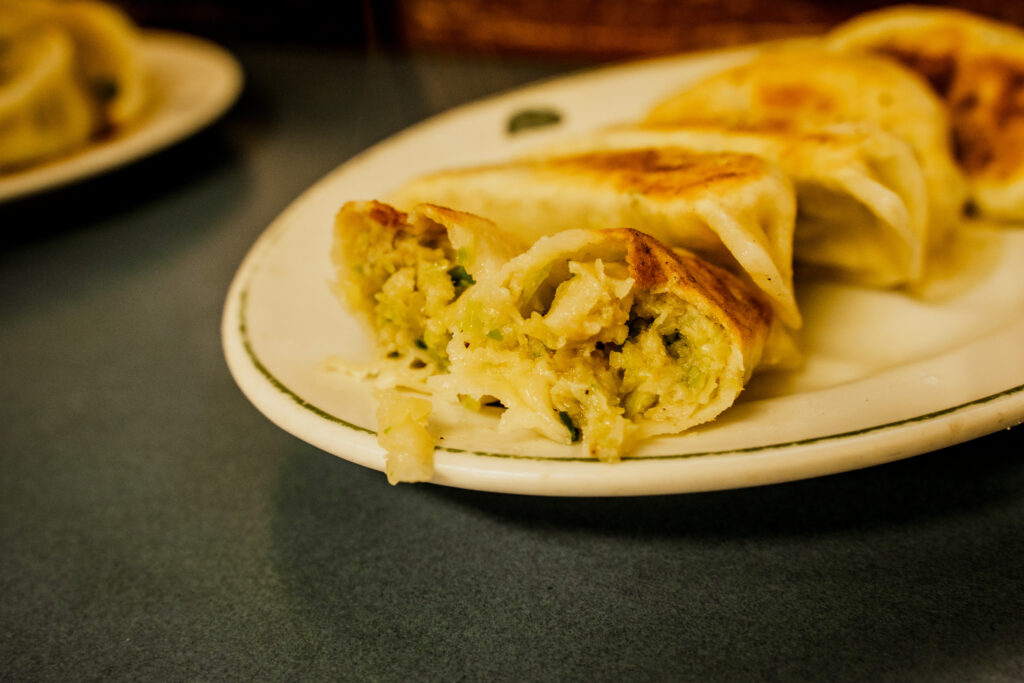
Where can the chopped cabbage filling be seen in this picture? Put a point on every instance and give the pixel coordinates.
(411, 279)
(600, 357)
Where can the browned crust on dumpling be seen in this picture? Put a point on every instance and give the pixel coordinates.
(382, 213)
(798, 96)
(661, 173)
(985, 95)
(780, 86)
(425, 220)
(975, 64)
(987, 105)
(731, 302)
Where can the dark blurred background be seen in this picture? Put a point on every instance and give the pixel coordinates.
(592, 29)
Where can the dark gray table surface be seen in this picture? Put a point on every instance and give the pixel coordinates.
(153, 525)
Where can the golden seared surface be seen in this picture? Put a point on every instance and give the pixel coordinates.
(819, 85)
(987, 103)
(975, 64)
(937, 62)
(661, 173)
(656, 267)
(801, 84)
(806, 97)
(425, 220)
(382, 213)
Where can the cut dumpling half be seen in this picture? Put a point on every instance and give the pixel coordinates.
(734, 209)
(400, 272)
(862, 209)
(606, 337)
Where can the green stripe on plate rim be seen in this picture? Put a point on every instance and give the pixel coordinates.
(321, 413)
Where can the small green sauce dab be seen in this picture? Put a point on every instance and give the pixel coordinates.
(532, 118)
(574, 431)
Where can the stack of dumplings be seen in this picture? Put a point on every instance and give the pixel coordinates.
(627, 282)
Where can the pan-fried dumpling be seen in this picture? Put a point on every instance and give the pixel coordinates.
(732, 208)
(862, 211)
(606, 337)
(109, 56)
(977, 66)
(108, 61)
(797, 87)
(43, 109)
(69, 70)
(400, 273)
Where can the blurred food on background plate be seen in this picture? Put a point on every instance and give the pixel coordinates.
(71, 72)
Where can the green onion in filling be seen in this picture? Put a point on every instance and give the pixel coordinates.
(574, 431)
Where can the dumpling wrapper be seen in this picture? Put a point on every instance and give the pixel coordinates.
(976, 65)
(862, 208)
(606, 337)
(400, 273)
(731, 208)
(797, 87)
(44, 111)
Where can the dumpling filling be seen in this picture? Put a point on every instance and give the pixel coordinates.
(592, 358)
(408, 280)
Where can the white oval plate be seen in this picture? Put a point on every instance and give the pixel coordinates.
(888, 375)
(193, 81)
